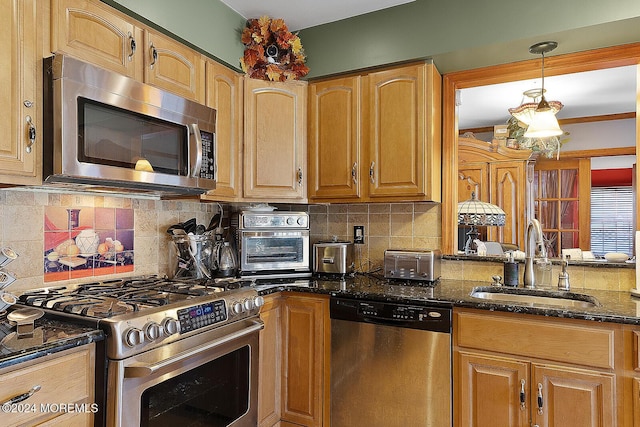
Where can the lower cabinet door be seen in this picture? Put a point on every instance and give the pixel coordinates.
(490, 390)
(566, 397)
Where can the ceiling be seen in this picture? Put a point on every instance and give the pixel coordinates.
(299, 14)
(590, 93)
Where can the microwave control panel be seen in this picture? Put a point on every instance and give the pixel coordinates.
(208, 168)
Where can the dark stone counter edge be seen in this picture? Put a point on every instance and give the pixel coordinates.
(617, 307)
(51, 348)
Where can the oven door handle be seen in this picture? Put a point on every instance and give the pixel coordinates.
(139, 371)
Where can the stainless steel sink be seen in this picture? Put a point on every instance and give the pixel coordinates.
(535, 297)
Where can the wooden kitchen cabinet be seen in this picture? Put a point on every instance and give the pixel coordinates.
(305, 359)
(335, 139)
(501, 176)
(376, 136)
(65, 378)
(21, 86)
(96, 33)
(173, 66)
(294, 361)
(270, 370)
(275, 141)
(224, 93)
(573, 366)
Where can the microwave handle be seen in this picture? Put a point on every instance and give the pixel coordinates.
(197, 140)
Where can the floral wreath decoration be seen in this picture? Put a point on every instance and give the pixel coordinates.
(272, 52)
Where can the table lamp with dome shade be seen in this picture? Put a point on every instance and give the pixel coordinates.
(476, 213)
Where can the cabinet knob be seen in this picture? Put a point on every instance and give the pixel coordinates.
(31, 131)
(132, 45)
(154, 56)
(372, 176)
(354, 173)
(300, 176)
(540, 399)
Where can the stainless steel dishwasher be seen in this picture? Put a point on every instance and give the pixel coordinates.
(390, 364)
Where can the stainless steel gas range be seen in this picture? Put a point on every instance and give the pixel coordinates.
(177, 352)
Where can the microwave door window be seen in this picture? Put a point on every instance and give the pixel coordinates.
(111, 136)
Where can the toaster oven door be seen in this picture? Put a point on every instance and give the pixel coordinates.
(274, 251)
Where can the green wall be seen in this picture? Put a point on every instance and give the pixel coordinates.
(457, 34)
(465, 34)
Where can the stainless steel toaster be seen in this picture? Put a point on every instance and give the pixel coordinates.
(333, 258)
(412, 264)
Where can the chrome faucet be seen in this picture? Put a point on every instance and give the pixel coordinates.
(532, 250)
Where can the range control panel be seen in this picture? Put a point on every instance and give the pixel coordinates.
(202, 315)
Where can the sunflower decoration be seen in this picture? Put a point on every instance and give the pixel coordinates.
(272, 52)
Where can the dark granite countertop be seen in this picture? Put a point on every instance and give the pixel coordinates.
(617, 307)
(50, 336)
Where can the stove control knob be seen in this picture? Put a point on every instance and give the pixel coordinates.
(258, 301)
(290, 221)
(152, 331)
(249, 304)
(238, 308)
(170, 326)
(133, 337)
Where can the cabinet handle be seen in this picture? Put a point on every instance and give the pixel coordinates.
(21, 397)
(132, 44)
(540, 400)
(299, 176)
(372, 176)
(523, 395)
(32, 134)
(154, 56)
(354, 173)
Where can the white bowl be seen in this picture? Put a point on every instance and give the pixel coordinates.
(616, 257)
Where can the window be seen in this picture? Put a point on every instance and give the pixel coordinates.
(612, 227)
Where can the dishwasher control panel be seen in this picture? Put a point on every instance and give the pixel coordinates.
(402, 315)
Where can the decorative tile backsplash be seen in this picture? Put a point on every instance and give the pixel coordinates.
(87, 241)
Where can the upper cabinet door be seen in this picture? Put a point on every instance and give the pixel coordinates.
(224, 93)
(404, 135)
(20, 85)
(174, 67)
(97, 34)
(334, 138)
(275, 151)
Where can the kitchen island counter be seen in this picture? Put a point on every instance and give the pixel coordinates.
(615, 306)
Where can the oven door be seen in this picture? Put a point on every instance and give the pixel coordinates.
(209, 379)
(274, 251)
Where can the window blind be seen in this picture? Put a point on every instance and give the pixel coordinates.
(612, 227)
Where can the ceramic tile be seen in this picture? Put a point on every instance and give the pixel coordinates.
(83, 242)
(401, 224)
(379, 225)
(379, 208)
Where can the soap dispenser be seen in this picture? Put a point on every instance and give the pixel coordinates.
(511, 270)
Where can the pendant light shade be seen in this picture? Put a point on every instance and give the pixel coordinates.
(543, 123)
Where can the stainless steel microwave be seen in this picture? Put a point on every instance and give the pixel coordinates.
(103, 130)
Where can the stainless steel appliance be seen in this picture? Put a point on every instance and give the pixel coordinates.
(273, 243)
(333, 258)
(390, 364)
(412, 264)
(106, 130)
(177, 352)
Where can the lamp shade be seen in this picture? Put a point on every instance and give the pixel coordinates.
(543, 125)
(476, 212)
(526, 111)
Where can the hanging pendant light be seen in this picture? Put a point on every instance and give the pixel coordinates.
(544, 123)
